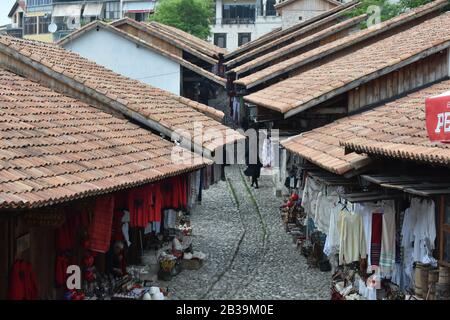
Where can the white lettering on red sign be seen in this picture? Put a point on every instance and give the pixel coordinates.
(443, 122)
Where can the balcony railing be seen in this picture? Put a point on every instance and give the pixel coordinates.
(221, 21)
(14, 32)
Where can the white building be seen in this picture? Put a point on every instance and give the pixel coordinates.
(295, 11)
(32, 18)
(148, 53)
(112, 49)
(240, 21)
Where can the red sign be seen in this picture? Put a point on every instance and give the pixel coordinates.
(437, 111)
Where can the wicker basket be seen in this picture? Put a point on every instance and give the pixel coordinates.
(192, 264)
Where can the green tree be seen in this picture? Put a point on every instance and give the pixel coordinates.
(405, 4)
(192, 16)
(387, 10)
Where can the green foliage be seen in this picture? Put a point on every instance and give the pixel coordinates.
(388, 9)
(192, 16)
(413, 3)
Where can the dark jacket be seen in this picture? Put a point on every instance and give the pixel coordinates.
(254, 170)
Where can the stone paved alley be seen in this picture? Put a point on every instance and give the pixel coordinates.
(249, 254)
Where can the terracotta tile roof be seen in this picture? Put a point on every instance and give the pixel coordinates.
(197, 43)
(155, 30)
(100, 24)
(398, 130)
(395, 130)
(321, 146)
(54, 148)
(300, 60)
(302, 43)
(165, 110)
(339, 75)
(282, 32)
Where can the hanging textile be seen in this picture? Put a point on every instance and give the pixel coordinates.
(327, 202)
(387, 255)
(352, 239)
(126, 227)
(266, 153)
(332, 241)
(310, 195)
(424, 229)
(154, 199)
(22, 282)
(170, 219)
(61, 265)
(136, 207)
(365, 210)
(409, 222)
(375, 243)
(101, 225)
(236, 110)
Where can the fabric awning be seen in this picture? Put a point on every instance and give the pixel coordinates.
(93, 9)
(66, 10)
(139, 6)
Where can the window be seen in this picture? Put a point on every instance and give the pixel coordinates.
(243, 38)
(44, 22)
(30, 25)
(220, 40)
(32, 3)
(112, 10)
(140, 16)
(20, 19)
(445, 231)
(238, 13)
(270, 8)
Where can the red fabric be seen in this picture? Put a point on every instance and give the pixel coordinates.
(65, 235)
(101, 226)
(183, 192)
(22, 282)
(155, 202)
(31, 288)
(375, 248)
(136, 207)
(174, 192)
(167, 191)
(62, 263)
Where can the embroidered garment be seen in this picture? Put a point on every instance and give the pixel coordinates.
(387, 255)
(101, 225)
(352, 239)
(375, 244)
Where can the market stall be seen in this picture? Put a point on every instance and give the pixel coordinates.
(378, 233)
(122, 245)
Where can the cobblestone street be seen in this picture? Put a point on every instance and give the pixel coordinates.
(249, 254)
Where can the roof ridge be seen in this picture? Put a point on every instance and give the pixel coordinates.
(160, 110)
(303, 91)
(339, 44)
(166, 37)
(299, 43)
(110, 27)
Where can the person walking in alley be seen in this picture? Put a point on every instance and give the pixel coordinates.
(254, 170)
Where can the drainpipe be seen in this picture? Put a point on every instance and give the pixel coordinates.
(121, 9)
